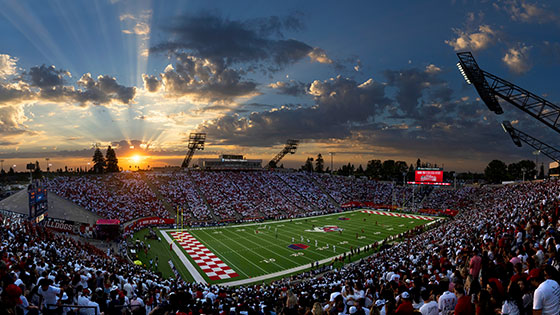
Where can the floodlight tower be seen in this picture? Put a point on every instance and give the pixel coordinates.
(196, 142)
(290, 147)
(489, 86)
(517, 136)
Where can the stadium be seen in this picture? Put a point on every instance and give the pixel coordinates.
(225, 221)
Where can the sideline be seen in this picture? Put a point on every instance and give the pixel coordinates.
(186, 262)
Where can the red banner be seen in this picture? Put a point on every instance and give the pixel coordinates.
(429, 176)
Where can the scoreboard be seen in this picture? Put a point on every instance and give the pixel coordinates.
(429, 177)
(38, 201)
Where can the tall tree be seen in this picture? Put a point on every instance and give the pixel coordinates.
(319, 164)
(308, 166)
(496, 172)
(98, 161)
(374, 169)
(360, 171)
(418, 163)
(388, 170)
(411, 172)
(11, 171)
(112, 161)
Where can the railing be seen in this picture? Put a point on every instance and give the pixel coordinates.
(72, 306)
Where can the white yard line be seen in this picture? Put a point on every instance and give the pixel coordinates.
(193, 271)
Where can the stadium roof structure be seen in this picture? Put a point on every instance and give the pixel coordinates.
(490, 86)
(517, 136)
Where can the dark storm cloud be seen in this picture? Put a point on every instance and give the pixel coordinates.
(213, 37)
(104, 90)
(151, 83)
(411, 84)
(340, 103)
(46, 77)
(205, 80)
(48, 83)
(215, 54)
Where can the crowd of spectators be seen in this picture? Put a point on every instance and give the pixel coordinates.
(123, 196)
(179, 191)
(500, 255)
(212, 197)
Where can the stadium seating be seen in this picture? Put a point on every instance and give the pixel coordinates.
(502, 246)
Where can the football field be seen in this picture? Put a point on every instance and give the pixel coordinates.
(244, 253)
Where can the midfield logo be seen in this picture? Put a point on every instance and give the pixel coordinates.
(324, 229)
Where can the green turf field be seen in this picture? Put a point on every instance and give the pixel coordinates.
(253, 250)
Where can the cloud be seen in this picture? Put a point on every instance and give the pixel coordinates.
(258, 40)
(47, 77)
(517, 59)
(477, 40)
(319, 55)
(432, 69)
(521, 11)
(340, 104)
(205, 80)
(140, 28)
(12, 119)
(104, 90)
(292, 87)
(151, 83)
(410, 85)
(7, 66)
(137, 24)
(13, 93)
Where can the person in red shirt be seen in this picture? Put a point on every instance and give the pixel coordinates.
(405, 305)
(464, 305)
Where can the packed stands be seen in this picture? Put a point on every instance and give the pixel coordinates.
(496, 256)
(123, 196)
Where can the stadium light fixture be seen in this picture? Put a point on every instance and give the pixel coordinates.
(508, 128)
(463, 72)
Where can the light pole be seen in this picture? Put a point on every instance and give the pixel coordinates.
(454, 180)
(332, 154)
(2, 162)
(536, 153)
(48, 165)
(523, 170)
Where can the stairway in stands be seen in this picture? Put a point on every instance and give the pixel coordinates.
(331, 199)
(155, 190)
(215, 217)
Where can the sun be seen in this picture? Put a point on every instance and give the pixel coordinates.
(136, 158)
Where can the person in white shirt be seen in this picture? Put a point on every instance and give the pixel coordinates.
(546, 300)
(49, 294)
(430, 306)
(447, 301)
(84, 300)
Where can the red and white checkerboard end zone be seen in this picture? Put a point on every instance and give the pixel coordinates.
(402, 215)
(213, 266)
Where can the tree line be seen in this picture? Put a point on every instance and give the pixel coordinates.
(107, 164)
(497, 171)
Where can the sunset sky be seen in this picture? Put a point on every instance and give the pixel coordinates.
(364, 79)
